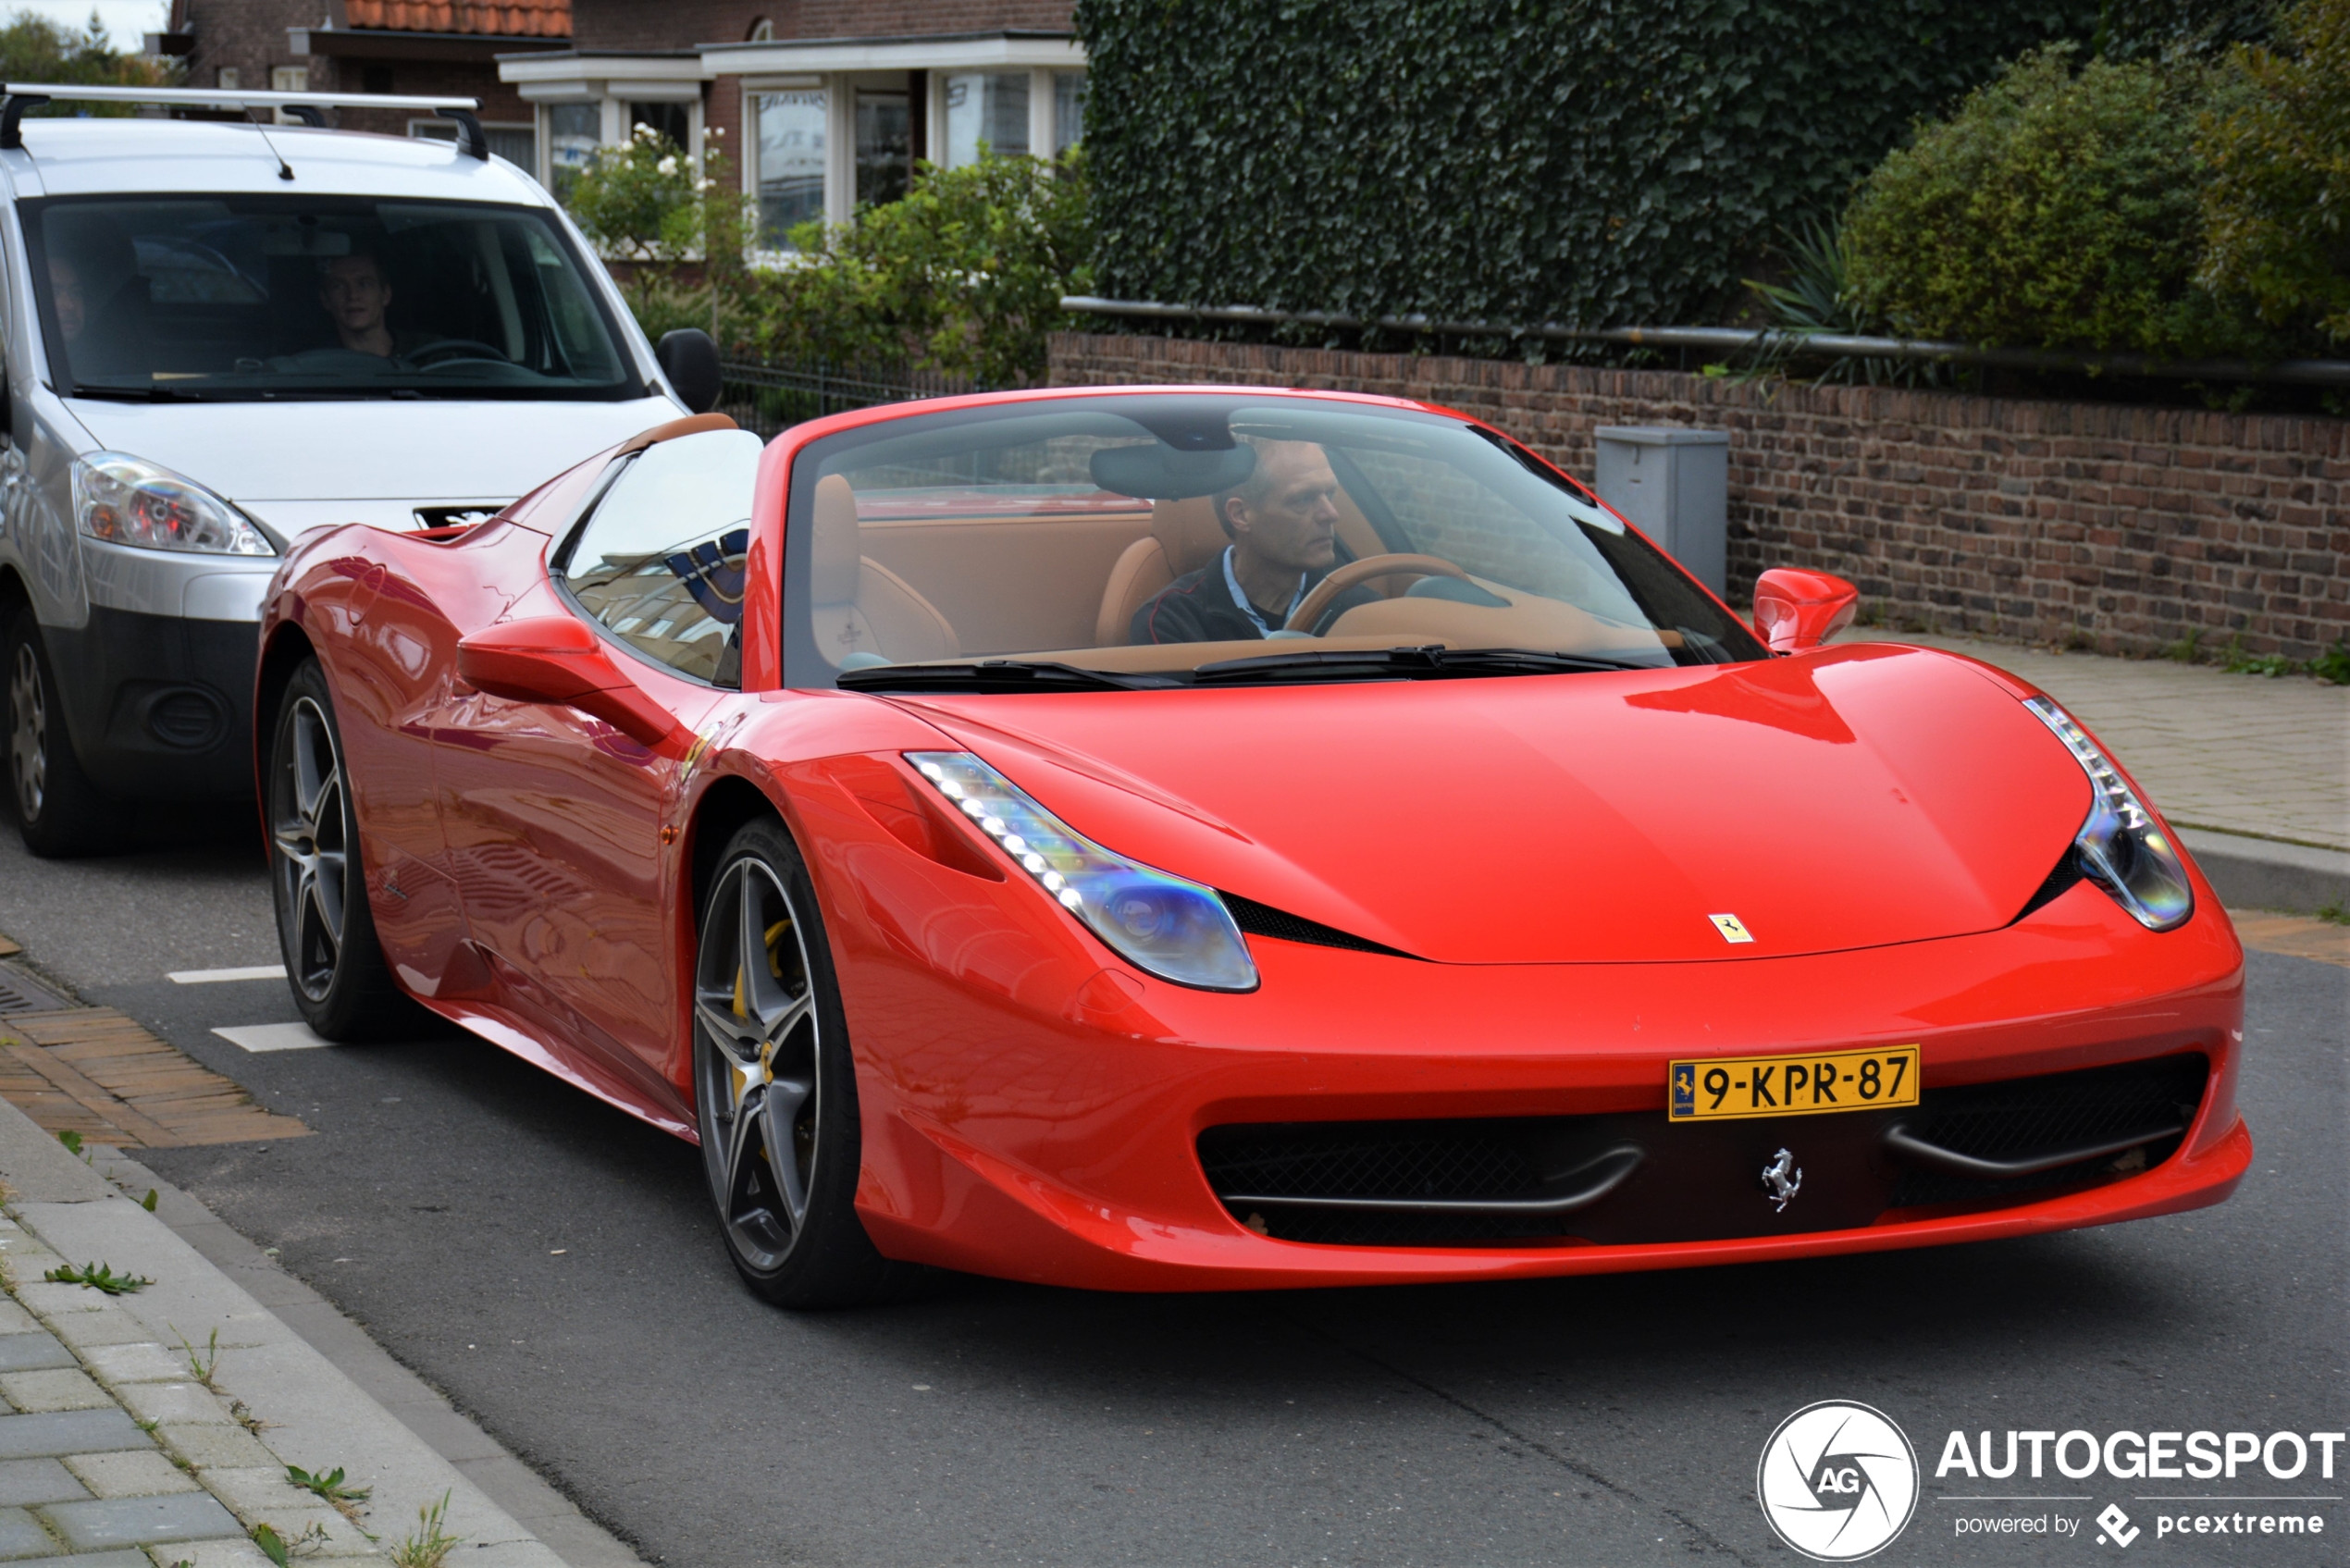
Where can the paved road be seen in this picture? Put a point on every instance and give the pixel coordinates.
(550, 1264)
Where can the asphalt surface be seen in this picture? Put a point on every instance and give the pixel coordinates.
(551, 1265)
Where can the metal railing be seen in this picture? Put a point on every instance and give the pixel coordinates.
(765, 399)
(2304, 371)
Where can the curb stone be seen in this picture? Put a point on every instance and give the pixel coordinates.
(2259, 873)
(278, 1401)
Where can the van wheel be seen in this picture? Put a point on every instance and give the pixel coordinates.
(60, 811)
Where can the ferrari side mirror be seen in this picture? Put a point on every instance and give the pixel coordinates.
(1795, 610)
(557, 661)
(690, 361)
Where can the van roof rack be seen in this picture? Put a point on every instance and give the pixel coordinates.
(16, 97)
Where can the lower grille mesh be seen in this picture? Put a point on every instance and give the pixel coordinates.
(2017, 1119)
(1688, 1187)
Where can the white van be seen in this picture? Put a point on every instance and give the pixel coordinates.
(218, 334)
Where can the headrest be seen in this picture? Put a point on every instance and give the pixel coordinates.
(1188, 532)
(833, 550)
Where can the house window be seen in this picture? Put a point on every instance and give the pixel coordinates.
(884, 148)
(574, 131)
(288, 79)
(228, 79)
(1068, 110)
(791, 161)
(986, 106)
(375, 80)
(515, 142)
(670, 119)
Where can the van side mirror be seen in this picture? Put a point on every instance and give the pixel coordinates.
(557, 661)
(690, 361)
(1795, 610)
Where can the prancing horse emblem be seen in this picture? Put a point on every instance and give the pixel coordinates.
(1781, 1179)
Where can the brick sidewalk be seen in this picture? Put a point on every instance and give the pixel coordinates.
(2241, 754)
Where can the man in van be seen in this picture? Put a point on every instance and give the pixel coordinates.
(355, 294)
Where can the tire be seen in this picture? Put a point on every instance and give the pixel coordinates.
(772, 1072)
(333, 964)
(58, 810)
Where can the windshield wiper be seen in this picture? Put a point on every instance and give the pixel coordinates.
(139, 394)
(992, 675)
(1435, 662)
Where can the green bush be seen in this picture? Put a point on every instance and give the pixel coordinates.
(34, 48)
(2278, 203)
(1585, 161)
(2054, 209)
(644, 199)
(964, 276)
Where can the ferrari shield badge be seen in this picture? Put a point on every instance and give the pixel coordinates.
(1731, 927)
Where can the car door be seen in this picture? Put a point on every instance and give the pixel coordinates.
(553, 818)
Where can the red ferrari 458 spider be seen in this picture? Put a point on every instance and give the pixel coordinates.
(1176, 838)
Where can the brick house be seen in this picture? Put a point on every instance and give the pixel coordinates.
(820, 103)
(433, 47)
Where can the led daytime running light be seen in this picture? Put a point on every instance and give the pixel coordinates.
(1174, 928)
(2122, 847)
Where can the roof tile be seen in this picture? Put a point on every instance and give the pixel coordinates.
(510, 19)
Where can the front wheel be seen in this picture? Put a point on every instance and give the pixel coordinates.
(776, 1095)
(60, 811)
(336, 971)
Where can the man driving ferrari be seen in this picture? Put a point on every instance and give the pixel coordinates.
(1282, 521)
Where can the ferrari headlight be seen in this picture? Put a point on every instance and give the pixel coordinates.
(2122, 848)
(1176, 929)
(128, 501)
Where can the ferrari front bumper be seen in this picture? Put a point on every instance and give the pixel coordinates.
(1032, 1110)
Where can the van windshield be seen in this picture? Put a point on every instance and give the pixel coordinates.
(232, 297)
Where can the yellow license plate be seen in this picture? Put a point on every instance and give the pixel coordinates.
(1720, 1087)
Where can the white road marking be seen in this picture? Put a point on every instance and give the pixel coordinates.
(206, 977)
(272, 1037)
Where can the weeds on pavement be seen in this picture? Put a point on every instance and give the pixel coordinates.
(98, 1277)
(2334, 914)
(333, 1487)
(279, 1550)
(204, 1363)
(428, 1545)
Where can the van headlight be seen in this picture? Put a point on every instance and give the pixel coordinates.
(2121, 846)
(128, 501)
(1171, 928)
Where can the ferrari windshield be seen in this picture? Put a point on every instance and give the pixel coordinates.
(232, 297)
(1152, 539)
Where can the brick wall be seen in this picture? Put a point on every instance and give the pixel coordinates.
(2081, 523)
(249, 36)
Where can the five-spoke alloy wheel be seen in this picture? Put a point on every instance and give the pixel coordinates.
(775, 1094)
(324, 927)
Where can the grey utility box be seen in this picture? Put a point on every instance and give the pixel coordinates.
(1675, 486)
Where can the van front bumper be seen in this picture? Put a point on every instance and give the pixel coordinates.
(159, 706)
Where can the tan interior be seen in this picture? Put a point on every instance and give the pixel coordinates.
(857, 605)
(1072, 577)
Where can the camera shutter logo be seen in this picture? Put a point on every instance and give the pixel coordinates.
(1838, 1481)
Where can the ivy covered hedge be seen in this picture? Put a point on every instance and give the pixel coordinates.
(1589, 161)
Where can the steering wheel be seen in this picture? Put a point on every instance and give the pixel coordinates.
(1309, 609)
(455, 348)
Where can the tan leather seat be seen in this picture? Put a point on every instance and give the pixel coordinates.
(1186, 536)
(856, 605)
